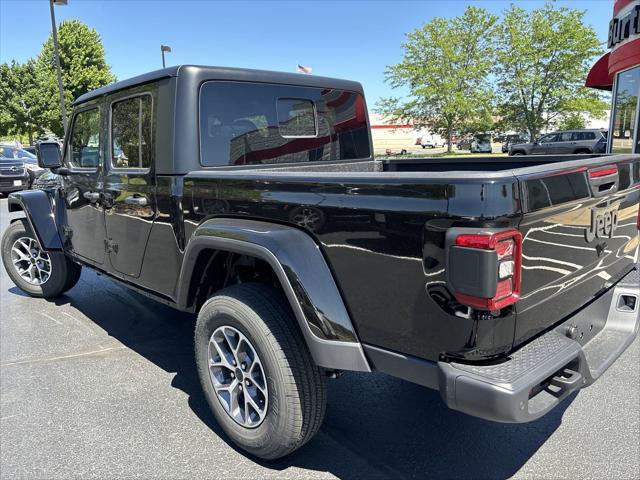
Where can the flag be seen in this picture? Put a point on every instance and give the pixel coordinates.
(304, 69)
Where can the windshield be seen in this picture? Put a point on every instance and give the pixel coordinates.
(484, 137)
(12, 153)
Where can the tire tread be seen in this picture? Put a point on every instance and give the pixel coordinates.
(304, 387)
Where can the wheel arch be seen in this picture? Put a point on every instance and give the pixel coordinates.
(303, 275)
(39, 213)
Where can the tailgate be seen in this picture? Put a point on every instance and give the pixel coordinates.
(580, 236)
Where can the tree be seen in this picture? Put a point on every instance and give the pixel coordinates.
(543, 57)
(446, 67)
(572, 121)
(18, 111)
(83, 65)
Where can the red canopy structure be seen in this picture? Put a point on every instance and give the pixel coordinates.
(599, 76)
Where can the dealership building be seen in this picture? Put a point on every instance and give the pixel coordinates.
(619, 72)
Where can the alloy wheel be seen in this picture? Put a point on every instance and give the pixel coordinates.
(238, 376)
(32, 264)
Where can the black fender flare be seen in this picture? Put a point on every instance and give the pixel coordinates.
(304, 275)
(37, 207)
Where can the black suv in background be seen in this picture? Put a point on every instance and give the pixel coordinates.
(564, 142)
(18, 169)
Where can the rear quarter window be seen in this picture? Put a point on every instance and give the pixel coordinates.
(253, 123)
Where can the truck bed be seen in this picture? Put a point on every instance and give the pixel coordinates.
(481, 164)
(381, 225)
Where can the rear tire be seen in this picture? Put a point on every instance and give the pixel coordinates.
(19, 247)
(260, 320)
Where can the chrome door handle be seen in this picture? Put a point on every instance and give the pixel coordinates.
(92, 196)
(136, 200)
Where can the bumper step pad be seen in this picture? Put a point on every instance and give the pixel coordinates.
(538, 376)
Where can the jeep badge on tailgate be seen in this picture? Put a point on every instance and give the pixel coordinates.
(603, 223)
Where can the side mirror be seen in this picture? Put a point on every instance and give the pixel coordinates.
(49, 155)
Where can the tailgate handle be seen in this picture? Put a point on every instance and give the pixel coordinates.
(605, 187)
(603, 180)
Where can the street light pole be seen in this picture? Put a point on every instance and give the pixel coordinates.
(164, 48)
(54, 31)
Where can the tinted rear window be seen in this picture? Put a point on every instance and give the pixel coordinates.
(585, 135)
(250, 123)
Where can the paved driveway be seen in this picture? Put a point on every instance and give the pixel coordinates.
(101, 384)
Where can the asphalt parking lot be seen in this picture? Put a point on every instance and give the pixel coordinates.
(101, 384)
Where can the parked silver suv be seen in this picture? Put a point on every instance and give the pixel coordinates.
(567, 141)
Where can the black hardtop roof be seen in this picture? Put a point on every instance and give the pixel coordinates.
(224, 73)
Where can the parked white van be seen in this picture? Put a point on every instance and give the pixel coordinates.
(431, 140)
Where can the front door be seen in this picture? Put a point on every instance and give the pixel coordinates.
(129, 186)
(545, 145)
(84, 230)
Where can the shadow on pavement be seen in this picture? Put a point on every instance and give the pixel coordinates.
(375, 426)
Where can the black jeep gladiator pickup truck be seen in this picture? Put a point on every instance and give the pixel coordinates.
(252, 198)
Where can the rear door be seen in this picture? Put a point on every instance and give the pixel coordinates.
(580, 236)
(129, 186)
(585, 140)
(565, 143)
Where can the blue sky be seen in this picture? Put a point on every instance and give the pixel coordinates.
(345, 39)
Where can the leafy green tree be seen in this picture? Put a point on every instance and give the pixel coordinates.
(18, 91)
(543, 57)
(446, 67)
(572, 122)
(83, 65)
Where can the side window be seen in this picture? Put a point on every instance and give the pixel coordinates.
(296, 118)
(566, 136)
(581, 136)
(131, 133)
(553, 137)
(84, 151)
(244, 123)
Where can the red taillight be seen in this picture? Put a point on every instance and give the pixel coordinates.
(508, 248)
